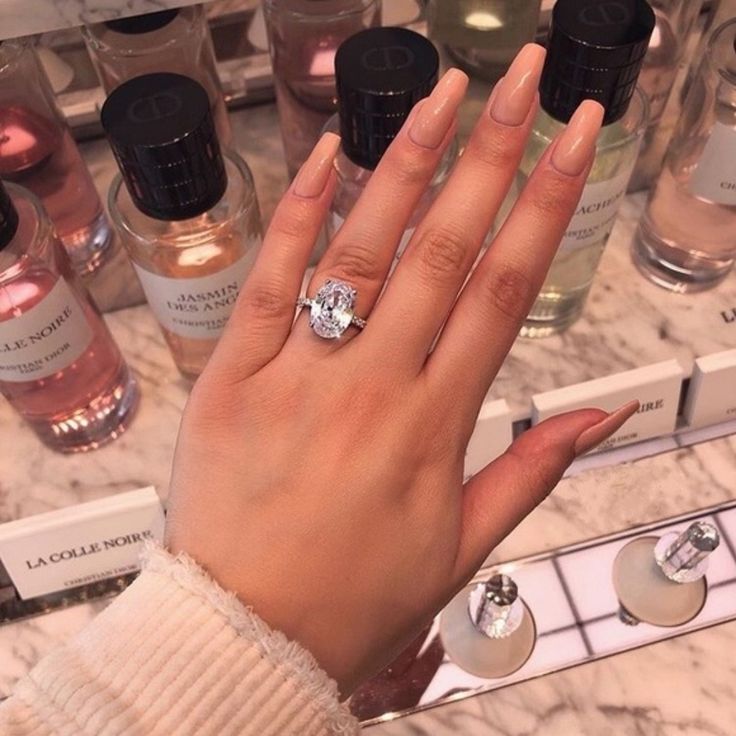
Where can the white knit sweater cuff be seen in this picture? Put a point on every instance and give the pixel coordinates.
(176, 654)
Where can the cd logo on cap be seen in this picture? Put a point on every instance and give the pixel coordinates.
(387, 58)
(605, 14)
(154, 107)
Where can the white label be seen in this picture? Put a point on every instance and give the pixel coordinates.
(656, 386)
(596, 212)
(46, 339)
(711, 397)
(714, 177)
(80, 544)
(197, 308)
(491, 437)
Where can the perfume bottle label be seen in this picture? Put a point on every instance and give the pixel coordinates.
(45, 339)
(596, 212)
(196, 308)
(714, 177)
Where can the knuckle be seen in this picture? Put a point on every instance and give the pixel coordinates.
(511, 291)
(553, 197)
(357, 262)
(288, 222)
(443, 252)
(410, 167)
(495, 151)
(267, 301)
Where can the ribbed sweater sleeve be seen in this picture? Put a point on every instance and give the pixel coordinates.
(176, 655)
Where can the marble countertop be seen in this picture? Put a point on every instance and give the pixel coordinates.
(683, 686)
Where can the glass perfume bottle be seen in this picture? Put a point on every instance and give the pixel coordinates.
(187, 214)
(374, 102)
(176, 40)
(590, 55)
(483, 36)
(303, 37)
(674, 22)
(38, 152)
(59, 366)
(687, 237)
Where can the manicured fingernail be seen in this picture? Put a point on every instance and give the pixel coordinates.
(596, 434)
(518, 90)
(315, 172)
(431, 124)
(576, 144)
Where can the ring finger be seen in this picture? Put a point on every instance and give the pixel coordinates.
(364, 248)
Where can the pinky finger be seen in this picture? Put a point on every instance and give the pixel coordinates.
(264, 312)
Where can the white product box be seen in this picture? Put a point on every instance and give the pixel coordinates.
(711, 397)
(656, 386)
(80, 544)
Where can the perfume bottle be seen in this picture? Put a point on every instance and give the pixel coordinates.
(487, 629)
(38, 152)
(59, 366)
(661, 581)
(593, 52)
(674, 22)
(176, 40)
(719, 12)
(374, 102)
(303, 37)
(687, 237)
(483, 36)
(186, 212)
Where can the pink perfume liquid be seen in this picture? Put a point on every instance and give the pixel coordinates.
(41, 156)
(79, 393)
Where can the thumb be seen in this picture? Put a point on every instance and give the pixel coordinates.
(504, 492)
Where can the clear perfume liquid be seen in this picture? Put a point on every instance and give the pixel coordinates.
(565, 290)
(79, 393)
(192, 270)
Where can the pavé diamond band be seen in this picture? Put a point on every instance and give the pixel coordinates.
(331, 310)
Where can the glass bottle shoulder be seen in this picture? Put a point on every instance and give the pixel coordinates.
(237, 203)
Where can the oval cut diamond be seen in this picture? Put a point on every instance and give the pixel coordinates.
(331, 311)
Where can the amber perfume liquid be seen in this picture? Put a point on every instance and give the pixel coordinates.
(59, 366)
(303, 37)
(565, 290)
(687, 238)
(38, 152)
(191, 270)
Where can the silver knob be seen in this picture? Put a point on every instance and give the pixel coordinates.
(683, 558)
(495, 608)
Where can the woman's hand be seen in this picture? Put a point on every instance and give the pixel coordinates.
(322, 480)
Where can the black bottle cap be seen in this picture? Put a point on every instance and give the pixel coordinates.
(161, 131)
(595, 50)
(8, 218)
(142, 23)
(381, 74)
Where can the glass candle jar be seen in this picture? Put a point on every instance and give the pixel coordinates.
(687, 238)
(483, 36)
(176, 40)
(59, 366)
(38, 152)
(304, 36)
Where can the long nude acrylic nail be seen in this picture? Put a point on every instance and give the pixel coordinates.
(430, 126)
(576, 145)
(596, 434)
(315, 172)
(516, 93)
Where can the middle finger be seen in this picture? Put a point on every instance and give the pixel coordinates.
(426, 282)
